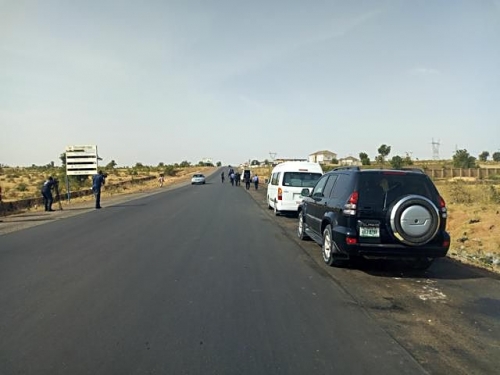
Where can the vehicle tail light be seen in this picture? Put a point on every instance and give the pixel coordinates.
(351, 240)
(442, 208)
(352, 204)
(280, 194)
(446, 243)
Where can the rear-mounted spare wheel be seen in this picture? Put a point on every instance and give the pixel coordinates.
(414, 220)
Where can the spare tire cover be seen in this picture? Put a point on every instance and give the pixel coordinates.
(414, 220)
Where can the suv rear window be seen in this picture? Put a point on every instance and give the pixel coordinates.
(301, 179)
(382, 189)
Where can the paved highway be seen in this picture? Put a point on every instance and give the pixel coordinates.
(196, 280)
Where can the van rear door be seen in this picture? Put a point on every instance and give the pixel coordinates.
(294, 182)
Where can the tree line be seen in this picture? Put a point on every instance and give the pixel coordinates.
(461, 158)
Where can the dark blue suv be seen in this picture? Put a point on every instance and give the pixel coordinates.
(375, 213)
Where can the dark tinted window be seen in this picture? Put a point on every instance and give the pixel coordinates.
(300, 179)
(343, 187)
(382, 189)
(320, 186)
(329, 185)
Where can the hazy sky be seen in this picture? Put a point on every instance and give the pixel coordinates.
(167, 81)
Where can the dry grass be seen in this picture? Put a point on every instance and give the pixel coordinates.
(12, 178)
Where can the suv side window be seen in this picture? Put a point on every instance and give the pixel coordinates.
(320, 187)
(341, 188)
(329, 185)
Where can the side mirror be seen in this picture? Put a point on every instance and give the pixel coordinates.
(305, 192)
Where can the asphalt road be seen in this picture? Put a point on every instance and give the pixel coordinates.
(195, 280)
(205, 280)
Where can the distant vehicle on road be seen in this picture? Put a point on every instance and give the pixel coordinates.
(198, 179)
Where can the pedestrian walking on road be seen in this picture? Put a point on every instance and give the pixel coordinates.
(255, 180)
(98, 181)
(47, 187)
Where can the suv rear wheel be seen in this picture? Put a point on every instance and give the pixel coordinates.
(327, 250)
(421, 264)
(301, 229)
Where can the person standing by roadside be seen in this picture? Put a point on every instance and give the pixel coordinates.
(47, 187)
(161, 180)
(255, 180)
(247, 181)
(98, 180)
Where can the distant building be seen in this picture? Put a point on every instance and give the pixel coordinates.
(322, 157)
(350, 160)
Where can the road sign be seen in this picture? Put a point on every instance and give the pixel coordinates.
(81, 160)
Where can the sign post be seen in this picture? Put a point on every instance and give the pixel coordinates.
(80, 161)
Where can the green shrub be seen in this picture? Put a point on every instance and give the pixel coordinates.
(494, 195)
(459, 193)
(170, 170)
(22, 187)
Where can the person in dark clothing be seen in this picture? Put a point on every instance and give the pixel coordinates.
(97, 181)
(222, 177)
(247, 181)
(47, 187)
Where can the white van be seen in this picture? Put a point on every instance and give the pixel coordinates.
(287, 181)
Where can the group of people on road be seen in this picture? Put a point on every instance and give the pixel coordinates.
(235, 179)
(98, 180)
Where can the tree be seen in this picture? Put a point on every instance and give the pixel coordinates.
(483, 156)
(185, 164)
(462, 159)
(365, 160)
(112, 164)
(407, 160)
(161, 164)
(139, 165)
(496, 156)
(219, 163)
(383, 152)
(397, 162)
(63, 159)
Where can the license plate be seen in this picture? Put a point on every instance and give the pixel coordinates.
(369, 232)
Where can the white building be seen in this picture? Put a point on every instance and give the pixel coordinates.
(322, 157)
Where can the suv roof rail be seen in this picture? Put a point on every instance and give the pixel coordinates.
(353, 168)
(410, 169)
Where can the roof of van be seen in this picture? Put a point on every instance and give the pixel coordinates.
(295, 165)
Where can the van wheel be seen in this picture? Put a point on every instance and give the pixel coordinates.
(276, 212)
(268, 205)
(327, 249)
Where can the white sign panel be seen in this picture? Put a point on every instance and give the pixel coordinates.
(81, 160)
